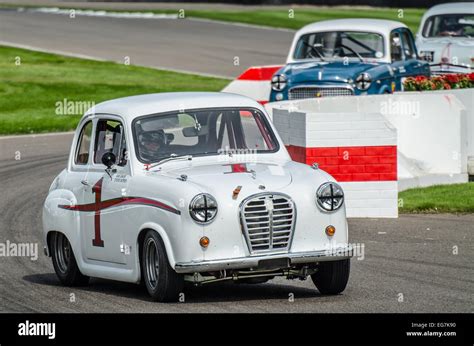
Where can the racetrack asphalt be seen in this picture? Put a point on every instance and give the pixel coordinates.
(416, 263)
(191, 45)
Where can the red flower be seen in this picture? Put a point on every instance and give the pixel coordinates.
(451, 78)
(470, 76)
(447, 86)
(419, 79)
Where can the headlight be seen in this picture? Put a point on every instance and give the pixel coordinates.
(329, 196)
(203, 208)
(427, 55)
(363, 81)
(278, 82)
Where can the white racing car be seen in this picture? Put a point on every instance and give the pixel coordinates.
(446, 37)
(168, 188)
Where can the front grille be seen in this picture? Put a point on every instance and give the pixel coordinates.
(268, 221)
(299, 93)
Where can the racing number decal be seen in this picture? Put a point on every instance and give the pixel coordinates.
(97, 190)
(99, 204)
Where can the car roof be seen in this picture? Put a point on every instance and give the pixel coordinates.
(355, 24)
(133, 106)
(452, 8)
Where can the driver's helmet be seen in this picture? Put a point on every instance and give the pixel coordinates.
(150, 144)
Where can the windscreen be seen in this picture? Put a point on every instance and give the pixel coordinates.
(202, 132)
(340, 44)
(456, 25)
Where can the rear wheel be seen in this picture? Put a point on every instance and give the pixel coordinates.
(332, 277)
(162, 282)
(64, 262)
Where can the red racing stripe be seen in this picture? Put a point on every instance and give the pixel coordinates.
(118, 202)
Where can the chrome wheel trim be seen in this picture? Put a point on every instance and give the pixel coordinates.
(62, 250)
(152, 266)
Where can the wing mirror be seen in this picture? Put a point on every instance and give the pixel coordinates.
(109, 159)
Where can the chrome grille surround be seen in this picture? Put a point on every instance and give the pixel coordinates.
(309, 91)
(268, 221)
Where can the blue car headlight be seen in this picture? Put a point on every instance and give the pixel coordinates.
(363, 81)
(278, 82)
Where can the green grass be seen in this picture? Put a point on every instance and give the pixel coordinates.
(457, 198)
(280, 18)
(302, 15)
(29, 92)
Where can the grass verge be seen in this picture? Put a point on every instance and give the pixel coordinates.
(456, 198)
(34, 86)
(281, 19)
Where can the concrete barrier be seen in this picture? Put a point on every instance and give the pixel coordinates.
(435, 130)
(466, 96)
(358, 149)
(254, 83)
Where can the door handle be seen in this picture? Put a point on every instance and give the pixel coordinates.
(85, 183)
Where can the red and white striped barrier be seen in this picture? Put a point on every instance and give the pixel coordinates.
(254, 83)
(358, 149)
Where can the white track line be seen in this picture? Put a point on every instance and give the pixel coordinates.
(37, 135)
(103, 13)
(145, 15)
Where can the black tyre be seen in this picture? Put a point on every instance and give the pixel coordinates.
(162, 282)
(332, 277)
(64, 262)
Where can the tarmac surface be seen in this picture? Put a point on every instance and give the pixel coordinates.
(416, 263)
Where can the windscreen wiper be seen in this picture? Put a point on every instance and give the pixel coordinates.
(353, 51)
(172, 157)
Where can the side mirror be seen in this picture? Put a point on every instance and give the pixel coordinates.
(109, 159)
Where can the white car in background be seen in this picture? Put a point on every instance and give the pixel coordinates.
(446, 37)
(198, 187)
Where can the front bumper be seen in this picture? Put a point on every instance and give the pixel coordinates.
(332, 254)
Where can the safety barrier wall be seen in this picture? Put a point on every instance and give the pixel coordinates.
(254, 83)
(358, 149)
(435, 130)
(466, 96)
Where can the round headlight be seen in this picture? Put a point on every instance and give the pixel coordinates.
(203, 208)
(363, 81)
(278, 82)
(329, 196)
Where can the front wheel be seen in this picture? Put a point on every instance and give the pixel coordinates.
(332, 277)
(162, 282)
(64, 262)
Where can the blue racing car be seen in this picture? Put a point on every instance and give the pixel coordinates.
(348, 57)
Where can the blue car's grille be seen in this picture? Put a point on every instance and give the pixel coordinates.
(298, 93)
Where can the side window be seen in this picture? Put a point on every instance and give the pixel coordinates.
(408, 45)
(83, 145)
(395, 46)
(110, 138)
